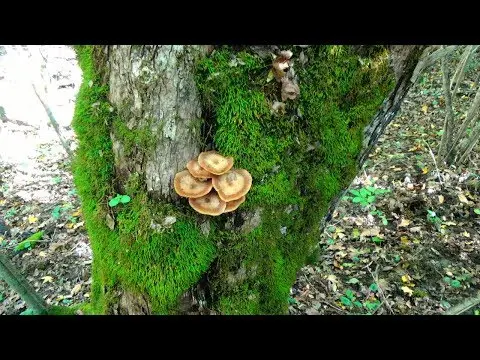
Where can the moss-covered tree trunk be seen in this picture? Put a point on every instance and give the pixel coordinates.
(144, 111)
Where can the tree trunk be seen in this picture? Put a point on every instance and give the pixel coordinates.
(144, 111)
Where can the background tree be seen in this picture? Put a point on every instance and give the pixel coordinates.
(144, 111)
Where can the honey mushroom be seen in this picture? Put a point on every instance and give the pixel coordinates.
(211, 185)
(232, 185)
(188, 186)
(234, 204)
(210, 204)
(215, 163)
(197, 171)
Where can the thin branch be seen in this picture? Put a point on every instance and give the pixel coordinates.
(375, 278)
(464, 306)
(446, 142)
(18, 283)
(460, 72)
(471, 116)
(54, 123)
(435, 162)
(429, 60)
(468, 145)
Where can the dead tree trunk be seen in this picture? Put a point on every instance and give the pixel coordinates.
(150, 109)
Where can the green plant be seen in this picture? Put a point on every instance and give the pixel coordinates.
(10, 213)
(372, 305)
(453, 283)
(476, 211)
(433, 218)
(56, 212)
(30, 242)
(349, 299)
(381, 216)
(119, 199)
(367, 195)
(377, 240)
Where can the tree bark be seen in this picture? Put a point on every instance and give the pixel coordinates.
(158, 129)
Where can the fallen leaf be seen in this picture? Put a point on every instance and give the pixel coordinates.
(404, 240)
(425, 170)
(278, 107)
(333, 281)
(371, 232)
(47, 279)
(270, 76)
(441, 199)
(42, 254)
(77, 213)
(32, 219)
(77, 225)
(425, 108)
(290, 89)
(404, 223)
(312, 311)
(407, 290)
(462, 198)
(110, 222)
(76, 289)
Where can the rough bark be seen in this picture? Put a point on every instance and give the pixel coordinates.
(153, 89)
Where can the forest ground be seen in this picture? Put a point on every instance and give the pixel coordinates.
(414, 250)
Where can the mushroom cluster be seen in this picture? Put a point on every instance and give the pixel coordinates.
(211, 184)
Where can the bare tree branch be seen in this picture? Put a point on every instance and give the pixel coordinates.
(460, 71)
(429, 59)
(54, 123)
(448, 124)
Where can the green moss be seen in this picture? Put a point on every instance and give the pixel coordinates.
(161, 264)
(299, 163)
(65, 310)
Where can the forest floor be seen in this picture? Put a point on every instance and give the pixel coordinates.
(36, 186)
(414, 250)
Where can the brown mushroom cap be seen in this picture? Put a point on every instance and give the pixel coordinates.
(197, 171)
(188, 186)
(215, 163)
(234, 204)
(210, 204)
(232, 185)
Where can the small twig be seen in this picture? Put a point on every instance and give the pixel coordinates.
(375, 278)
(435, 162)
(466, 305)
(54, 123)
(333, 307)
